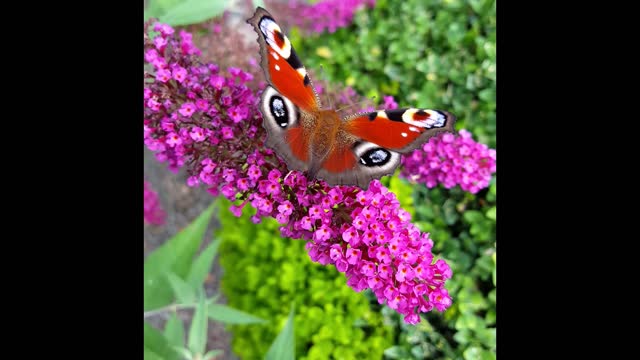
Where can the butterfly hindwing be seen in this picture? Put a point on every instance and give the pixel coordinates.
(358, 164)
(282, 66)
(377, 139)
(400, 130)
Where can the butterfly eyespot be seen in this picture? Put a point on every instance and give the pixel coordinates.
(375, 157)
(278, 109)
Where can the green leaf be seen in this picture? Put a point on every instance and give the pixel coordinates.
(488, 94)
(417, 352)
(229, 315)
(491, 213)
(175, 255)
(202, 265)
(473, 216)
(157, 8)
(490, 317)
(150, 355)
(184, 292)
(198, 331)
(156, 344)
(477, 353)
(393, 72)
(174, 331)
(495, 266)
(193, 12)
(211, 354)
(163, 4)
(184, 352)
(463, 336)
(396, 352)
(284, 345)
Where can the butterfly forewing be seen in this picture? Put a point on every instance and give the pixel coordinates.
(400, 130)
(282, 66)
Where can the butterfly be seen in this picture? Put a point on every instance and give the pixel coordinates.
(342, 151)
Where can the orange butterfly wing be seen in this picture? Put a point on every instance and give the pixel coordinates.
(400, 130)
(281, 64)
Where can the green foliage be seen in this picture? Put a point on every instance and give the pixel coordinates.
(184, 12)
(284, 345)
(175, 256)
(174, 331)
(198, 332)
(171, 272)
(229, 315)
(434, 54)
(265, 274)
(463, 230)
(427, 53)
(156, 345)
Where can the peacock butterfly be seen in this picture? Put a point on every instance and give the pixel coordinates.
(342, 151)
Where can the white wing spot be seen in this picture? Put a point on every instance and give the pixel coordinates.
(275, 56)
(277, 67)
(414, 129)
(404, 134)
(435, 120)
(268, 28)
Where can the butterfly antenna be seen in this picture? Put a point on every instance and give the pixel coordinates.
(326, 81)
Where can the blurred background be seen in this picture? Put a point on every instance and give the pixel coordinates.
(424, 53)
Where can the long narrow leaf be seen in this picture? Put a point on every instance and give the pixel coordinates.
(283, 348)
(184, 352)
(151, 355)
(185, 294)
(211, 354)
(175, 255)
(156, 343)
(174, 331)
(229, 315)
(198, 331)
(202, 265)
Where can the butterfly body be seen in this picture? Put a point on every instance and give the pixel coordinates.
(342, 151)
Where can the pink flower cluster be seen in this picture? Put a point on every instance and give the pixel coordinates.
(363, 233)
(327, 14)
(153, 213)
(381, 250)
(451, 160)
(208, 121)
(192, 111)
